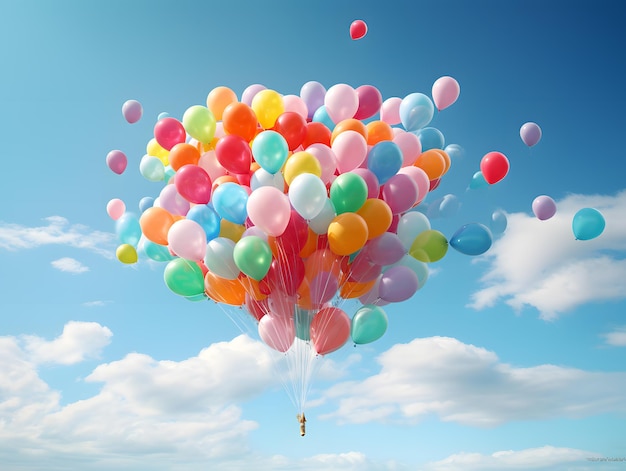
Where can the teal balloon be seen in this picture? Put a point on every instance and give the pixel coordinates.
(270, 151)
(207, 217)
(230, 201)
(184, 277)
(430, 138)
(253, 257)
(321, 116)
(416, 111)
(384, 160)
(478, 181)
(302, 319)
(197, 297)
(368, 324)
(156, 252)
(498, 222)
(588, 223)
(471, 239)
(127, 229)
(348, 193)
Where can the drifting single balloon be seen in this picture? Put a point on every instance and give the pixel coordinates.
(544, 207)
(530, 133)
(116, 160)
(588, 223)
(494, 167)
(358, 29)
(498, 222)
(132, 111)
(445, 92)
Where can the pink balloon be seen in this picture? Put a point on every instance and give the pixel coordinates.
(544, 207)
(170, 199)
(132, 111)
(420, 177)
(445, 92)
(296, 104)
(193, 183)
(168, 132)
(187, 239)
(373, 187)
(233, 152)
(390, 111)
(410, 146)
(208, 161)
(363, 269)
(370, 101)
(326, 158)
(115, 208)
(330, 330)
(358, 29)
(350, 148)
(269, 209)
(323, 288)
(117, 161)
(341, 101)
(277, 332)
(400, 192)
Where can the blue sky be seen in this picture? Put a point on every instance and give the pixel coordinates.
(510, 360)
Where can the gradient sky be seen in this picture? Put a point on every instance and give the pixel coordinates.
(512, 360)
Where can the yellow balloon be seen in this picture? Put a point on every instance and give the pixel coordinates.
(230, 230)
(154, 149)
(126, 253)
(268, 106)
(301, 162)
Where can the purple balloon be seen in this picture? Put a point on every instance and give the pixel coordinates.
(117, 161)
(248, 93)
(373, 187)
(132, 111)
(398, 284)
(530, 133)
(544, 207)
(323, 287)
(313, 93)
(370, 101)
(386, 249)
(400, 193)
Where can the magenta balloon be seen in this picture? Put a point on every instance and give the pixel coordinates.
(249, 93)
(410, 146)
(530, 133)
(398, 284)
(233, 153)
(390, 111)
(277, 332)
(168, 132)
(132, 111)
(193, 183)
(370, 101)
(373, 187)
(445, 92)
(400, 192)
(117, 161)
(544, 207)
(386, 249)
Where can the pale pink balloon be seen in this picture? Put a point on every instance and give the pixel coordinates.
(327, 159)
(390, 111)
(132, 111)
(208, 161)
(341, 101)
(115, 208)
(445, 92)
(277, 332)
(187, 239)
(420, 178)
(350, 148)
(117, 161)
(410, 146)
(269, 209)
(296, 104)
(170, 199)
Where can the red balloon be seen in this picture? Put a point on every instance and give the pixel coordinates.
(286, 273)
(316, 133)
(233, 152)
(295, 236)
(292, 126)
(494, 167)
(358, 29)
(330, 329)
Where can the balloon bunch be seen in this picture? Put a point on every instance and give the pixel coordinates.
(288, 204)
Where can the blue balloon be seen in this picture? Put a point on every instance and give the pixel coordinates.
(588, 223)
(162, 115)
(207, 217)
(471, 239)
(321, 116)
(498, 222)
(416, 111)
(478, 181)
(145, 203)
(384, 160)
(430, 138)
(449, 206)
(230, 200)
(127, 229)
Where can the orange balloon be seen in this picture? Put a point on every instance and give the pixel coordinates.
(446, 159)
(218, 99)
(432, 162)
(155, 222)
(347, 233)
(224, 291)
(223, 179)
(350, 124)
(183, 154)
(238, 118)
(377, 215)
(252, 287)
(321, 260)
(378, 131)
(355, 289)
(310, 246)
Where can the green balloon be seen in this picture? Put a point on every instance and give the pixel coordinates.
(348, 193)
(429, 246)
(302, 319)
(184, 277)
(199, 123)
(253, 257)
(368, 324)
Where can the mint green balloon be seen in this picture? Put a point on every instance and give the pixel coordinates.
(302, 319)
(184, 277)
(348, 193)
(253, 257)
(429, 246)
(199, 123)
(368, 324)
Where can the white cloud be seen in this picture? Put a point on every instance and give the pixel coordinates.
(540, 264)
(617, 338)
(97, 303)
(469, 385)
(79, 341)
(58, 231)
(69, 265)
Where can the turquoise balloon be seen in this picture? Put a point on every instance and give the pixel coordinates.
(471, 239)
(588, 223)
(498, 222)
(321, 116)
(205, 215)
(230, 200)
(368, 324)
(184, 277)
(270, 151)
(156, 252)
(253, 257)
(384, 160)
(127, 229)
(430, 138)
(348, 193)
(478, 181)
(416, 111)
(302, 319)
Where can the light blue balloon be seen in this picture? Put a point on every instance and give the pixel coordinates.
(146, 203)
(162, 115)
(219, 258)
(151, 168)
(230, 200)
(478, 181)
(471, 239)
(588, 223)
(498, 222)
(127, 229)
(384, 160)
(156, 252)
(430, 138)
(270, 150)
(455, 151)
(321, 116)
(416, 111)
(207, 217)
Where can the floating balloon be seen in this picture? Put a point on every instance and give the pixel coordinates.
(126, 253)
(544, 207)
(445, 92)
(471, 239)
(368, 324)
(416, 111)
(478, 181)
(498, 222)
(115, 208)
(530, 133)
(116, 160)
(358, 29)
(429, 246)
(588, 223)
(132, 111)
(494, 167)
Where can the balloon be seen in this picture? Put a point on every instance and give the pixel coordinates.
(316, 133)
(262, 177)
(350, 149)
(410, 226)
(432, 162)
(430, 138)
(321, 116)
(155, 222)
(544, 207)
(193, 183)
(410, 146)
(269, 209)
(295, 236)
(449, 206)
(286, 273)
(184, 277)
(115, 208)
(292, 127)
(588, 223)
(183, 154)
(368, 324)
(373, 187)
(229, 200)
(384, 160)
(341, 102)
(390, 111)
(397, 284)
(225, 291)
(156, 252)
(268, 106)
(240, 119)
(370, 101)
(471, 239)
(295, 104)
(358, 29)
(307, 194)
(386, 249)
(270, 150)
(168, 132)
(377, 215)
(350, 124)
(530, 133)
(416, 111)
(170, 199)
(277, 332)
(445, 92)
(327, 159)
(234, 154)
(498, 222)
(400, 193)
(319, 224)
(378, 131)
(218, 99)
(116, 160)
(145, 203)
(478, 181)
(199, 123)
(299, 163)
(128, 229)
(208, 219)
(253, 257)
(249, 93)
(348, 192)
(218, 258)
(429, 246)
(420, 178)
(187, 239)
(347, 233)
(132, 111)
(418, 267)
(494, 167)
(126, 253)
(152, 168)
(455, 151)
(312, 93)
(330, 330)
